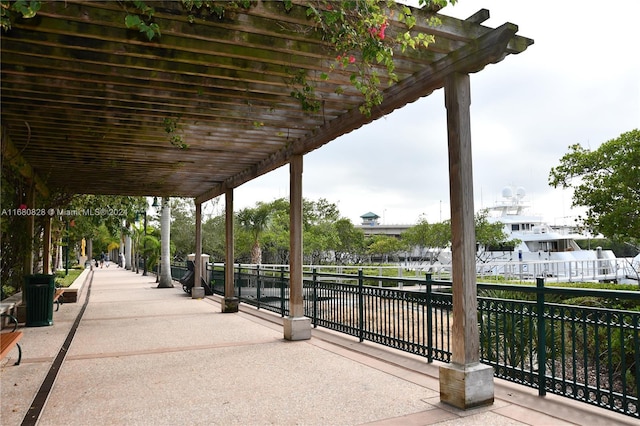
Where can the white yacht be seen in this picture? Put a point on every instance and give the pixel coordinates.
(541, 249)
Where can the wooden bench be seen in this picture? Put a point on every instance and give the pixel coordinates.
(10, 339)
(58, 298)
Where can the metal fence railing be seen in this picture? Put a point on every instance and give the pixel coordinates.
(542, 337)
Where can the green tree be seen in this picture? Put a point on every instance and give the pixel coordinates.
(254, 221)
(146, 243)
(324, 232)
(383, 246)
(318, 241)
(99, 218)
(434, 237)
(607, 182)
(102, 238)
(319, 233)
(437, 236)
(214, 238)
(350, 245)
(316, 212)
(276, 237)
(110, 210)
(490, 235)
(183, 228)
(150, 248)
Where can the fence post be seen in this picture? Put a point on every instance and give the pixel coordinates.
(239, 281)
(258, 286)
(282, 291)
(542, 349)
(314, 309)
(429, 318)
(360, 305)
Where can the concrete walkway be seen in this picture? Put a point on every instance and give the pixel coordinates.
(148, 356)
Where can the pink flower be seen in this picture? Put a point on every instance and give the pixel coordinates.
(22, 206)
(352, 59)
(383, 27)
(378, 32)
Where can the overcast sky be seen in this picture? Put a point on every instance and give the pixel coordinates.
(578, 83)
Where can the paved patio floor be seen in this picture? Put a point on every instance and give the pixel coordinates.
(148, 356)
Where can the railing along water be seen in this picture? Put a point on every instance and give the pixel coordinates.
(587, 353)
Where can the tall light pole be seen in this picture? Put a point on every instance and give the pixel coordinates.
(144, 247)
(66, 255)
(154, 205)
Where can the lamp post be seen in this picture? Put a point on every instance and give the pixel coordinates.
(66, 256)
(144, 249)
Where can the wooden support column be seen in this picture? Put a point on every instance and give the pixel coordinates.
(296, 326)
(230, 301)
(465, 383)
(197, 292)
(46, 246)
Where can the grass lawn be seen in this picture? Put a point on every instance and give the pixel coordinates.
(66, 281)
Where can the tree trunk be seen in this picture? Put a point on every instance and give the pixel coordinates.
(127, 251)
(256, 254)
(165, 243)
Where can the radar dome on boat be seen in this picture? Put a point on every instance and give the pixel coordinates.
(520, 192)
(507, 192)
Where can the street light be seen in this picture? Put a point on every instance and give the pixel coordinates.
(144, 247)
(66, 256)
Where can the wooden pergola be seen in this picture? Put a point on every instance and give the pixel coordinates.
(89, 106)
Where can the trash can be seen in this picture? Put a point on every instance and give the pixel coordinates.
(39, 291)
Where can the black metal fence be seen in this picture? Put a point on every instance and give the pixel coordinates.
(531, 335)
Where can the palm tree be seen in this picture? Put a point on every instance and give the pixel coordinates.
(255, 221)
(165, 240)
(151, 250)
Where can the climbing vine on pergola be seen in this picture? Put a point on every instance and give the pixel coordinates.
(356, 31)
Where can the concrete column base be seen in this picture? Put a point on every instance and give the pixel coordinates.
(297, 328)
(466, 386)
(230, 304)
(197, 292)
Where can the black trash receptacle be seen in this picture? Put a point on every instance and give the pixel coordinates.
(39, 291)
